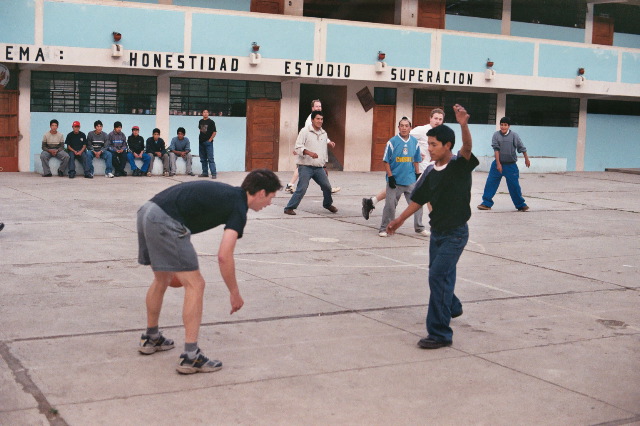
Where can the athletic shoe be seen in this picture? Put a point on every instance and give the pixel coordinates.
(88, 176)
(165, 173)
(1, 226)
(523, 209)
(290, 212)
(172, 174)
(336, 189)
(429, 343)
(149, 346)
(72, 175)
(47, 175)
(289, 188)
(200, 364)
(149, 174)
(424, 233)
(332, 209)
(60, 173)
(367, 206)
(483, 207)
(214, 176)
(109, 175)
(203, 175)
(382, 234)
(136, 172)
(191, 174)
(123, 173)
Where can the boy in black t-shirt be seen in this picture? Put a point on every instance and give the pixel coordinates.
(447, 187)
(165, 224)
(208, 132)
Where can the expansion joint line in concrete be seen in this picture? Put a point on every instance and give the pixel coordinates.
(23, 378)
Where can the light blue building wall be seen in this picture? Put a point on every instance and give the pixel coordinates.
(90, 25)
(17, 21)
(560, 61)
(233, 35)
(469, 53)
(242, 5)
(360, 45)
(631, 68)
(229, 146)
(474, 25)
(612, 141)
(549, 32)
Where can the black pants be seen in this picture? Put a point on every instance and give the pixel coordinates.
(119, 161)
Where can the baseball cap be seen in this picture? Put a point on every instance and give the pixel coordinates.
(135, 128)
(75, 123)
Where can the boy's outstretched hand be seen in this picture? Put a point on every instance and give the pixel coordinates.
(462, 116)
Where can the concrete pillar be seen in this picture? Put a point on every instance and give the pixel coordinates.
(581, 143)
(505, 28)
(404, 103)
(293, 7)
(24, 123)
(501, 108)
(588, 24)
(288, 124)
(358, 132)
(406, 13)
(162, 107)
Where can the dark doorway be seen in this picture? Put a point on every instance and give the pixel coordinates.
(334, 108)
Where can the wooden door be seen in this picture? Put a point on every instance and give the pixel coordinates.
(422, 114)
(431, 13)
(9, 130)
(602, 31)
(263, 133)
(384, 128)
(268, 6)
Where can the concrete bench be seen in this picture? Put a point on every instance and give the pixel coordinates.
(538, 164)
(99, 166)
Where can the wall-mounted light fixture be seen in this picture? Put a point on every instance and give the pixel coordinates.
(489, 72)
(381, 65)
(116, 49)
(580, 78)
(254, 56)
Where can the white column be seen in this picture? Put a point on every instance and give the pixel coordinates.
(404, 103)
(24, 123)
(288, 124)
(582, 135)
(588, 24)
(39, 23)
(293, 7)
(501, 108)
(162, 107)
(505, 28)
(406, 13)
(358, 131)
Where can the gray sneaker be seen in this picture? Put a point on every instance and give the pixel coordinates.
(367, 207)
(200, 364)
(149, 346)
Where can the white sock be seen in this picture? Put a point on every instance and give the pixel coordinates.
(374, 199)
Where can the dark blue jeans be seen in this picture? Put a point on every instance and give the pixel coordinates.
(511, 174)
(306, 173)
(146, 160)
(445, 249)
(206, 157)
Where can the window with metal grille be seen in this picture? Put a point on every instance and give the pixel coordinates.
(93, 93)
(385, 95)
(542, 111)
(600, 106)
(190, 96)
(481, 106)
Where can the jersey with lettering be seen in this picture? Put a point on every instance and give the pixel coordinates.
(401, 154)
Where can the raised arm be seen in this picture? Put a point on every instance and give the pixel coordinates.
(462, 117)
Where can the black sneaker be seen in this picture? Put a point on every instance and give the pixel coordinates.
(200, 364)
(60, 173)
(47, 175)
(88, 176)
(367, 207)
(72, 175)
(429, 343)
(149, 346)
(203, 175)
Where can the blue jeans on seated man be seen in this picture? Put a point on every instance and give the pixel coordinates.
(72, 162)
(107, 161)
(445, 248)
(306, 173)
(146, 160)
(206, 157)
(511, 173)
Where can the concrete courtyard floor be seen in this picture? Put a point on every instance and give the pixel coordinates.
(550, 332)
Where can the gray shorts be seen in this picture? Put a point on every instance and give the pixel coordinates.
(163, 242)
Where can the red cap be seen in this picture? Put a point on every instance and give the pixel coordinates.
(135, 128)
(75, 123)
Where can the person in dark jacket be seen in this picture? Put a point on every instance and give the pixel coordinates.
(157, 148)
(136, 150)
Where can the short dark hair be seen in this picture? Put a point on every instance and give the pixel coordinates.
(506, 120)
(443, 134)
(97, 123)
(181, 130)
(260, 179)
(156, 130)
(54, 121)
(117, 124)
(314, 114)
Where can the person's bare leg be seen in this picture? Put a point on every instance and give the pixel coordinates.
(381, 196)
(294, 178)
(194, 284)
(155, 296)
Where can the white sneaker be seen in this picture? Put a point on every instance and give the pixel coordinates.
(289, 188)
(109, 175)
(382, 234)
(336, 189)
(424, 233)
